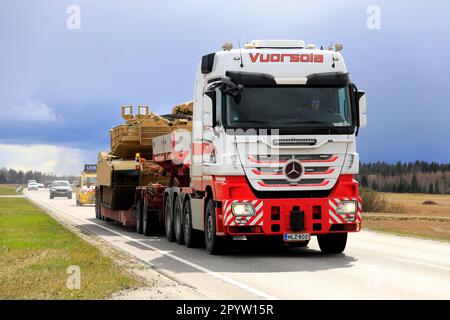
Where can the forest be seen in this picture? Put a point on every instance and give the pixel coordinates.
(12, 176)
(401, 177)
(411, 177)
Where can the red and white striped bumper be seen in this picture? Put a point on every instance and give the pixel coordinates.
(232, 220)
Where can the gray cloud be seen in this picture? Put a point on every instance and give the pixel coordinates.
(31, 112)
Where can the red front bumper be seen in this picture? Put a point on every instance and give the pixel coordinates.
(273, 216)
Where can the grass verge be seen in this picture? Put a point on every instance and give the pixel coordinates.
(36, 252)
(413, 228)
(417, 218)
(7, 190)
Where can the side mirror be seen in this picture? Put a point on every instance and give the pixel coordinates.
(362, 106)
(208, 108)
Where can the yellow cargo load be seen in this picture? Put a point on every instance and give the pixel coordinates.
(137, 133)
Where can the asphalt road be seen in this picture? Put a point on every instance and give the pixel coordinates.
(374, 266)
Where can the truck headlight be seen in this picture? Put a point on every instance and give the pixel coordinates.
(347, 207)
(242, 209)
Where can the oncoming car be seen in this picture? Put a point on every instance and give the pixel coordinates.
(61, 188)
(32, 186)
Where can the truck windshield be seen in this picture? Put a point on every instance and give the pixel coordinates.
(289, 107)
(60, 184)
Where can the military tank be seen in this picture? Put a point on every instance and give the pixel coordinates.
(136, 134)
(129, 162)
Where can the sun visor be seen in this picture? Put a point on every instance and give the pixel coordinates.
(328, 79)
(251, 78)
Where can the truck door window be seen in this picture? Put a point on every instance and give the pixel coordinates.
(218, 107)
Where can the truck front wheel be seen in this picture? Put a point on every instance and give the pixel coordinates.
(332, 243)
(168, 218)
(214, 244)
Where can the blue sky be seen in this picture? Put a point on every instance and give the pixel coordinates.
(61, 89)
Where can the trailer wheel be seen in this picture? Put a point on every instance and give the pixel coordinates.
(214, 244)
(192, 238)
(149, 221)
(332, 243)
(97, 205)
(97, 210)
(168, 218)
(178, 220)
(139, 210)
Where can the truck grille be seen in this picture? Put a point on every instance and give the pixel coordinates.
(310, 157)
(286, 182)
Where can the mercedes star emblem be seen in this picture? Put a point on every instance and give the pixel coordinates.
(293, 170)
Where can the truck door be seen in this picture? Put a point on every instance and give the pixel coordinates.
(197, 137)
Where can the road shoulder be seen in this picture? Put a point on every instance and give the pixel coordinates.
(156, 285)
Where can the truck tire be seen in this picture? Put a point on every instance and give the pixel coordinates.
(168, 219)
(178, 220)
(149, 221)
(97, 211)
(192, 238)
(139, 211)
(97, 205)
(214, 245)
(332, 243)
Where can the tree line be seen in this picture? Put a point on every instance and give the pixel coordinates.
(12, 176)
(411, 177)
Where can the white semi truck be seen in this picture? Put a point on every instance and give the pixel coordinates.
(271, 155)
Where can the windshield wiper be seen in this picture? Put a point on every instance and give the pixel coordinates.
(311, 121)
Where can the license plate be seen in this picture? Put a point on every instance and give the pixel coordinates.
(296, 237)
